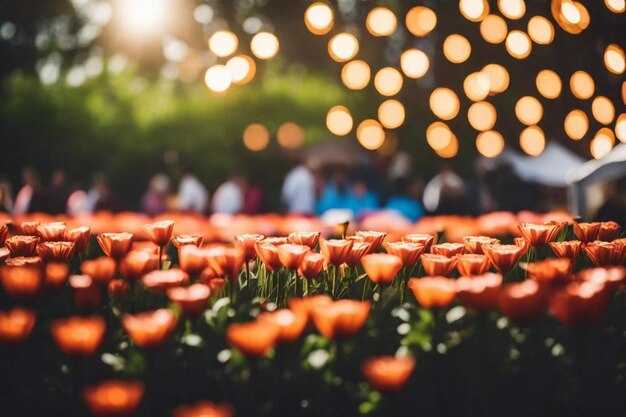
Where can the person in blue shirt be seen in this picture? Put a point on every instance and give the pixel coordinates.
(360, 199)
(335, 195)
(405, 199)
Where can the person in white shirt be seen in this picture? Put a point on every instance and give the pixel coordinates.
(299, 190)
(229, 198)
(192, 195)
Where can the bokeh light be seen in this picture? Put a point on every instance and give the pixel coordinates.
(444, 103)
(498, 78)
(474, 10)
(456, 48)
(142, 16)
(528, 110)
(576, 124)
(620, 127)
(532, 140)
(218, 78)
(438, 135)
(582, 85)
(602, 143)
(518, 44)
(513, 9)
(223, 43)
(339, 120)
(391, 114)
(540, 30)
(548, 84)
(414, 63)
(490, 143)
(343, 47)
(388, 81)
(381, 21)
(290, 135)
(476, 86)
(370, 134)
(603, 110)
(616, 6)
(256, 137)
(614, 59)
(482, 116)
(493, 29)
(570, 12)
(242, 69)
(572, 16)
(420, 20)
(451, 149)
(264, 45)
(318, 18)
(356, 75)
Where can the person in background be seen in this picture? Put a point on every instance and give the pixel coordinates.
(299, 189)
(445, 193)
(154, 201)
(6, 195)
(229, 197)
(101, 198)
(29, 198)
(254, 199)
(56, 195)
(405, 198)
(336, 193)
(192, 195)
(360, 199)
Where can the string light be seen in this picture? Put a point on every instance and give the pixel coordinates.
(532, 140)
(498, 78)
(318, 18)
(614, 59)
(343, 47)
(474, 10)
(540, 30)
(582, 85)
(451, 150)
(548, 84)
(490, 143)
(256, 137)
(603, 110)
(414, 63)
(528, 110)
(218, 78)
(241, 68)
(616, 6)
(438, 135)
(493, 29)
(391, 114)
(370, 134)
(476, 86)
(602, 143)
(290, 135)
(420, 20)
(620, 127)
(381, 21)
(457, 48)
(482, 116)
(264, 45)
(513, 9)
(223, 43)
(339, 120)
(518, 44)
(576, 124)
(356, 75)
(388, 81)
(444, 103)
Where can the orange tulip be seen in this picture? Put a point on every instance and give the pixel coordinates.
(114, 398)
(540, 234)
(433, 292)
(522, 243)
(605, 253)
(182, 240)
(204, 409)
(29, 228)
(307, 305)
(192, 259)
(145, 246)
(608, 231)
(311, 265)
(246, 244)
(275, 240)
(138, 263)
(579, 303)
(4, 233)
(612, 278)
(55, 274)
(86, 293)
(58, 251)
(409, 253)
(335, 251)
(101, 269)
(291, 255)
(80, 236)
(423, 239)
(381, 268)
(568, 249)
(50, 232)
(343, 318)
(254, 339)
(388, 374)
(226, 261)
(479, 292)
(192, 299)
(160, 280)
(117, 288)
(586, 232)
(474, 244)
(78, 336)
(215, 284)
(309, 239)
(472, 264)
(437, 265)
(522, 302)
(290, 323)
(160, 232)
(150, 328)
(448, 249)
(21, 260)
(16, 325)
(549, 270)
(115, 245)
(357, 251)
(503, 257)
(268, 254)
(373, 237)
(21, 281)
(21, 245)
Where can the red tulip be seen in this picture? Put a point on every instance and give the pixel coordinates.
(160, 280)
(183, 240)
(4, 233)
(254, 339)
(192, 259)
(150, 328)
(503, 257)
(579, 303)
(540, 234)
(335, 251)
(117, 288)
(357, 251)
(204, 409)
(448, 249)
(522, 302)
(78, 336)
(605, 253)
(191, 300)
(586, 232)
(22, 245)
(268, 254)
(437, 265)
(549, 270)
(423, 239)
(138, 263)
(160, 232)
(568, 249)
(474, 244)
(608, 231)
(472, 264)
(408, 252)
(612, 278)
(114, 398)
(101, 270)
(115, 245)
(226, 261)
(311, 265)
(86, 293)
(29, 228)
(246, 244)
(50, 232)
(381, 268)
(309, 239)
(307, 305)
(80, 236)
(291, 255)
(343, 318)
(479, 292)
(275, 240)
(22, 280)
(375, 238)
(57, 251)
(16, 325)
(433, 292)
(388, 374)
(55, 274)
(291, 324)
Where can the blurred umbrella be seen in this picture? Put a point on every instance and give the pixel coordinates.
(334, 152)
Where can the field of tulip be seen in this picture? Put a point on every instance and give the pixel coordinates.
(123, 315)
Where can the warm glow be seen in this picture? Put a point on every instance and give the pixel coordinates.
(570, 12)
(540, 30)
(529, 110)
(493, 29)
(548, 84)
(256, 137)
(318, 18)
(343, 47)
(620, 127)
(614, 59)
(474, 10)
(414, 63)
(141, 16)
(290, 135)
(370, 134)
(388, 81)
(602, 143)
(420, 20)
(355, 75)
(490, 143)
(438, 135)
(576, 124)
(218, 78)
(518, 44)
(498, 78)
(381, 21)
(456, 48)
(264, 45)
(532, 140)
(513, 9)
(582, 85)
(391, 114)
(242, 69)
(444, 103)
(603, 110)
(482, 116)
(223, 43)
(339, 121)
(451, 149)
(476, 86)
(616, 6)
